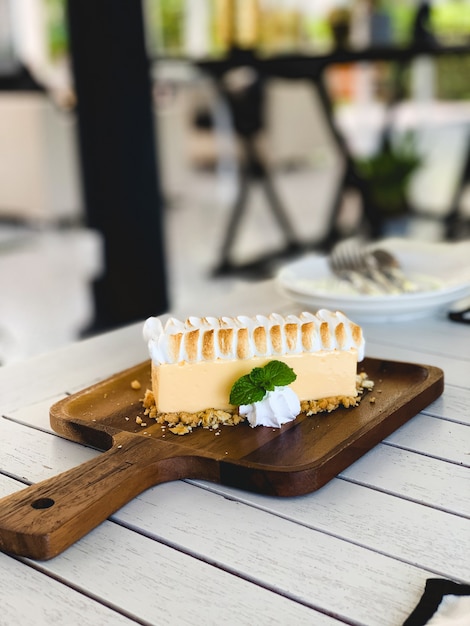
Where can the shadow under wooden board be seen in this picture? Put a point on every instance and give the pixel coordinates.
(43, 520)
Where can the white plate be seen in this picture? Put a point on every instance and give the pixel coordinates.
(442, 270)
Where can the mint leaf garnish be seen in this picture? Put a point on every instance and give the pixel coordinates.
(279, 373)
(253, 386)
(245, 391)
(257, 376)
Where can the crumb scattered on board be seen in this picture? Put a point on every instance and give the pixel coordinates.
(182, 423)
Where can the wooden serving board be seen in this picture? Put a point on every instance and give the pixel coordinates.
(44, 519)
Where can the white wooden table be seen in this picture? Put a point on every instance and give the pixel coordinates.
(358, 551)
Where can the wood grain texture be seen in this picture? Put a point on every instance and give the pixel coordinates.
(46, 518)
(211, 526)
(360, 547)
(119, 567)
(393, 525)
(241, 567)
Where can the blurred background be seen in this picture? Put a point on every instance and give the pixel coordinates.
(155, 153)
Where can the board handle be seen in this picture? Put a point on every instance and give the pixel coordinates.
(43, 520)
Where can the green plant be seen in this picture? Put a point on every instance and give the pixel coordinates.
(56, 29)
(388, 174)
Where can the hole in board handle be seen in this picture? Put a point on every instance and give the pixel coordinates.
(42, 503)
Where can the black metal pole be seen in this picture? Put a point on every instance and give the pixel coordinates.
(121, 188)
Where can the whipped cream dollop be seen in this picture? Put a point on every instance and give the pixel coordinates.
(278, 407)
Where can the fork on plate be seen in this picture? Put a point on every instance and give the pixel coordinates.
(370, 270)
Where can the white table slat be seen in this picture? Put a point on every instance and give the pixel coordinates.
(435, 437)
(217, 537)
(39, 451)
(32, 455)
(404, 530)
(429, 436)
(156, 583)
(456, 372)
(318, 569)
(453, 405)
(415, 477)
(35, 415)
(189, 552)
(71, 368)
(27, 600)
(417, 334)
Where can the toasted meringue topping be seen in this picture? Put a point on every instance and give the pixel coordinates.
(208, 339)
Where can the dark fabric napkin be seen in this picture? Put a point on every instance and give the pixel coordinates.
(434, 592)
(460, 316)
